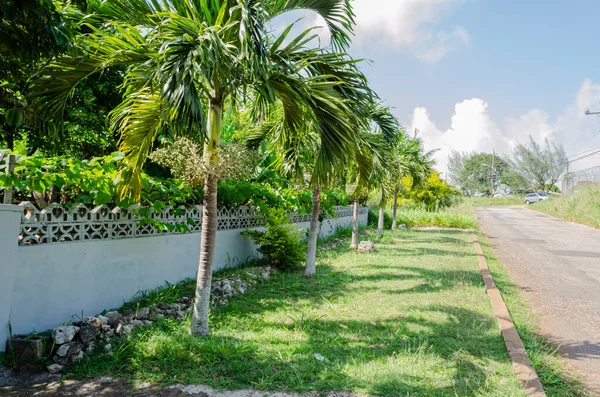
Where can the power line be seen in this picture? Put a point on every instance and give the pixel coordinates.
(577, 159)
(584, 152)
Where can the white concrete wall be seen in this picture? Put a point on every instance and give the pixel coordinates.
(53, 282)
(10, 220)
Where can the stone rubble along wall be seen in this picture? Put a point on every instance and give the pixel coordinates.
(97, 334)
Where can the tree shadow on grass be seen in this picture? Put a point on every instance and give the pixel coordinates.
(463, 341)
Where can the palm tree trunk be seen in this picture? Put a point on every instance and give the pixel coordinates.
(354, 244)
(380, 221)
(199, 324)
(381, 215)
(395, 215)
(313, 234)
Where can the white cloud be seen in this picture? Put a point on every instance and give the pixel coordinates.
(408, 24)
(472, 129)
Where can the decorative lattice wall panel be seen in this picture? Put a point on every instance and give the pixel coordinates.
(55, 223)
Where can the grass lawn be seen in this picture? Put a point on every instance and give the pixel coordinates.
(583, 207)
(459, 216)
(411, 319)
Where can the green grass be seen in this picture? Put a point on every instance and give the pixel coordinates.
(453, 217)
(558, 380)
(583, 207)
(381, 331)
(459, 216)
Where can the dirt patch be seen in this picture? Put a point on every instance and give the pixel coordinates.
(46, 385)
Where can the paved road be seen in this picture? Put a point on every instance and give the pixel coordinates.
(557, 265)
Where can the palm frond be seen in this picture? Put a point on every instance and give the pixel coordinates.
(338, 16)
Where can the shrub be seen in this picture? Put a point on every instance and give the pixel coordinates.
(281, 245)
(374, 218)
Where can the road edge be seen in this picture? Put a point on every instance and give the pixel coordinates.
(521, 363)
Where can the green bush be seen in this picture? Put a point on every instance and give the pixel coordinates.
(281, 244)
(374, 218)
(94, 182)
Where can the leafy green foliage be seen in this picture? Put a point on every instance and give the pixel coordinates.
(88, 182)
(374, 218)
(281, 245)
(94, 182)
(473, 173)
(435, 194)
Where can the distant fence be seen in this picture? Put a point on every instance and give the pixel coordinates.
(574, 181)
(57, 262)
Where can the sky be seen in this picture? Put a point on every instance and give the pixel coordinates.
(479, 75)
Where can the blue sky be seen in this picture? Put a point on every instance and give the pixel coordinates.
(474, 75)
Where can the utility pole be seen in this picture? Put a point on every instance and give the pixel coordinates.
(493, 172)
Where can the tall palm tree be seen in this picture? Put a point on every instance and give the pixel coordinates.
(352, 87)
(185, 61)
(381, 131)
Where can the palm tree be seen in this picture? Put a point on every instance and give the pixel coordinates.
(409, 159)
(306, 154)
(381, 132)
(186, 60)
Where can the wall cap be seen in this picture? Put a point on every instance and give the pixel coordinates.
(10, 208)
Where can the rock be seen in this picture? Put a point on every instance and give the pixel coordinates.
(148, 323)
(366, 246)
(184, 301)
(118, 328)
(180, 314)
(137, 323)
(64, 334)
(105, 328)
(424, 283)
(78, 357)
(73, 352)
(55, 368)
(318, 357)
(110, 333)
(93, 321)
(174, 306)
(63, 350)
(163, 306)
(142, 314)
(188, 310)
(252, 275)
(91, 347)
(127, 329)
(103, 320)
(113, 318)
(403, 226)
(88, 333)
(160, 315)
(170, 313)
(107, 347)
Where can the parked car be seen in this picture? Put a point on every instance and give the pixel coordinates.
(535, 197)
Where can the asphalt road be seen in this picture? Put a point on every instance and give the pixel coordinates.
(557, 266)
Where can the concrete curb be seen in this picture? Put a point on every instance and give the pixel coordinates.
(521, 364)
